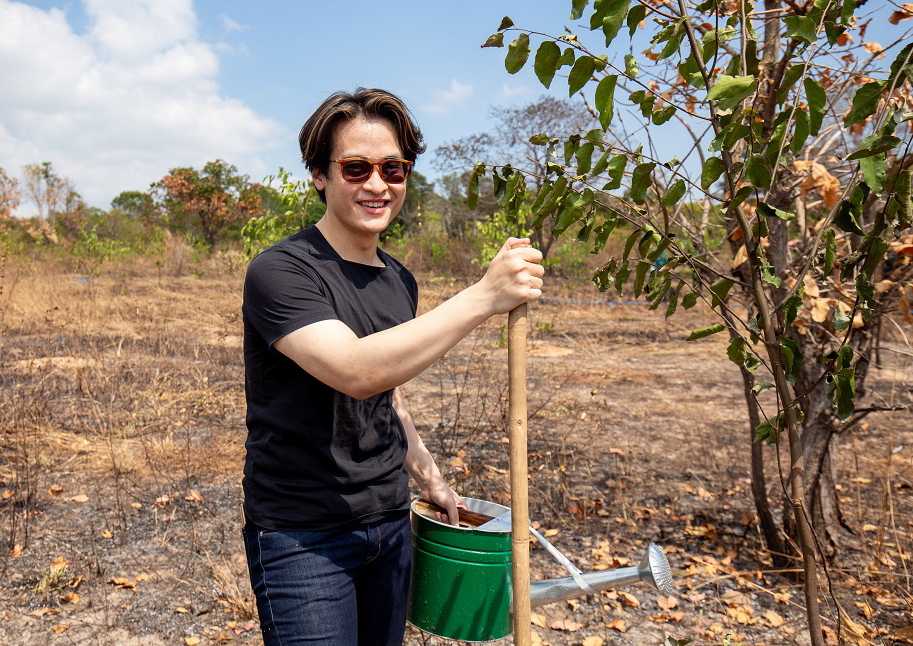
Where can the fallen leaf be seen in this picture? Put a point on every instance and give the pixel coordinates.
(16, 551)
(537, 620)
(593, 640)
(456, 462)
(59, 563)
(550, 532)
(192, 641)
(868, 527)
(629, 599)
(565, 624)
(163, 501)
(107, 534)
(40, 612)
(55, 490)
(182, 610)
(774, 619)
(60, 628)
(666, 603)
(6, 495)
(618, 625)
(136, 505)
(80, 497)
(70, 597)
(194, 496)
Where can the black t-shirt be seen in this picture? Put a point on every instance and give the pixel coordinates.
(317, 458)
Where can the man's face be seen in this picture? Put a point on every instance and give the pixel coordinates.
(366, 208)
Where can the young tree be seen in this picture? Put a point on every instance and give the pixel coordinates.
(210, 200)
(135, 204)
(801, 285)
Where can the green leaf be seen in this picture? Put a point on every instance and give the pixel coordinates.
(629, 243)
(616, 172)
(874, 169)
(865, 290)
(631, 69)
(602, 164)
(495, 40)
(841, 320)
(874, 257)
(903, 192)
(801, 28)
(506, 23)
(517, 53)
(720, 289)
(546, 62)
(635, 16)
(902, 63)
(800, 134)
(674, 194)
(768, 274)
(830, 251)
(580, 74)
(584, 158)
(602, 234)
(705, 332)
(793, 358)
(662, 115)
(757, 172)
(659, 294)
(673, 299)
(793, 305)
(711, 172)
(605, 99)
(614, 12)
(690, 300)
(570, 213)
(539, 140)
(472, 195)
(577, 7)
(768, 211)
(567, 58)
(789, 79)
(737, 350)
(641, 180)
(865, 102)
(729, 91)
(640, 275)
(621, 277)
(816, 99)
(845, 219)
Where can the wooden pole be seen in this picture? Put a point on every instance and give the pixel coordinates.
(519, 483)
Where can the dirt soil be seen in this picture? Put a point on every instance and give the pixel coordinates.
(122, 431)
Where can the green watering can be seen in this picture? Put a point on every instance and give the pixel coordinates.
(461, 576)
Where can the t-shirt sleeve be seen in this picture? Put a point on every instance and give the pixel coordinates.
(282, 294)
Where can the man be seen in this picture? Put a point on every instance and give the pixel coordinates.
(329, 334)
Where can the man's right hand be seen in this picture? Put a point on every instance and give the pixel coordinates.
(514, 276)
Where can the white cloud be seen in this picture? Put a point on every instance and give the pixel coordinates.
(115, 108)
(443, 101)
(230, 25)
(513, 90)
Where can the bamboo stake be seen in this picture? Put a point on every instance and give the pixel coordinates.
(519, 484)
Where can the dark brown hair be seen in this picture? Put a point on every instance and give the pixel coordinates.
(316, 136)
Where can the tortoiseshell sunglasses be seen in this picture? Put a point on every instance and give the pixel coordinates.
(357, 170)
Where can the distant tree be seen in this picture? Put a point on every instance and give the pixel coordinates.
(210, 200)
(44, 188)
(9, 194)
(419, 195)
(134, 204)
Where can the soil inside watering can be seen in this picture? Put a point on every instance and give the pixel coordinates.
(468, 519)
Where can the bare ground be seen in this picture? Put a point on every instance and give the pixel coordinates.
(122, 430)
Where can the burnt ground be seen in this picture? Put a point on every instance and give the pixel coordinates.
(122, 443)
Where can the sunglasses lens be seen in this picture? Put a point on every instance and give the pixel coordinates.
(356, 170)
(394, 172)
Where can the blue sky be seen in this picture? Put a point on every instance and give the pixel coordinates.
(115, 93)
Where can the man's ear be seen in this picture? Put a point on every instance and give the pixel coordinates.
(319, 180)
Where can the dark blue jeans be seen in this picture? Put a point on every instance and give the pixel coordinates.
(339, 587)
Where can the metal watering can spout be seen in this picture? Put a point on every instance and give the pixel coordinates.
(653, 569)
